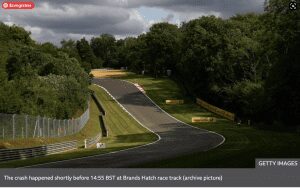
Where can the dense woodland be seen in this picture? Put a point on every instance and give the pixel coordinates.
(39, 79)
(248, 64)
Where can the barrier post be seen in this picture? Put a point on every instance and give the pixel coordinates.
(65, 127)
(13, 127)
(68, 124)
(38, 127)
(44, 127)
(53, 128)
(59, 128)
(48, 128)
(26, 126)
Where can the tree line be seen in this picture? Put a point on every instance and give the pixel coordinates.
(39, 79)
(247, 64)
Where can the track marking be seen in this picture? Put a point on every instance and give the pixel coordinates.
(139, 87)
(159, 138)
(86, 157)
(182, 121)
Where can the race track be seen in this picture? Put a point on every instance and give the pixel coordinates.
(176, 138)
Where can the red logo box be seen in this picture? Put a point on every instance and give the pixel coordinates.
(17, 5)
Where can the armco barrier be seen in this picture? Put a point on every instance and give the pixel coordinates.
(26, 153)
(216, 110)
(101, 116)
(98, 103)
(103, 127)
(203, 119)
(92, 141)
(174, 101)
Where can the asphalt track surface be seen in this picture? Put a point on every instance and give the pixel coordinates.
(175, 137)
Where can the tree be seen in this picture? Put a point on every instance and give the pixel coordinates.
(135, 53)
(201, 61)
(244, 47)
(49, 48)
(39, 79)
(283, 84)
(86, 54)
(163, 44)
(104, 48)
(69, 47)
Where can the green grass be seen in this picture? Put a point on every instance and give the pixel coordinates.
(243, 143)
(123, 129)
(90, 130)
(124, 132)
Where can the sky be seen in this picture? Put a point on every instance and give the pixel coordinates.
(54, 20)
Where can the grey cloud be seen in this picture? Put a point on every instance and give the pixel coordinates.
(226, 8)
(59, 3)
(56, 19)
(80, 20)
(169, 18)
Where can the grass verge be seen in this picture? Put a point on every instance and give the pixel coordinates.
(243, 143)
(90, 130)
(123, 130)
(124, 133)
(102, 73)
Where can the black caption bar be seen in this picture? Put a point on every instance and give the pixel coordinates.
(268, 173)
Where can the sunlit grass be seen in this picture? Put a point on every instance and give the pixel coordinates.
(101, 73)
(124, 132)
(90, 130)
(243, 143)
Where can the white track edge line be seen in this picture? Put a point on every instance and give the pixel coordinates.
(159, 138)
(182, 121)
(151, 143)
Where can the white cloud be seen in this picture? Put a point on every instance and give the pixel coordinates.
(53, 20)
(49, 22)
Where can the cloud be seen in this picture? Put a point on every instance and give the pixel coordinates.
(169, 18)
(78, 18)
(53, 20)
(190, 9)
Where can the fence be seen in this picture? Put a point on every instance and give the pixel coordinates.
(216, 110)
(25, 153)
(14, 126)
(92, 141)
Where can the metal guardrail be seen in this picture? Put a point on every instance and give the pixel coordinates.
(98, 103)
(216, 110)
(104, 129)
(26, 153)
(92, 141)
